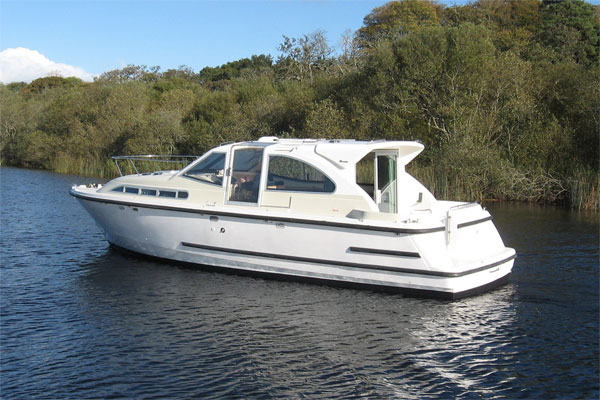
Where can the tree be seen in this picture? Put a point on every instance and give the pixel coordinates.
(326, 120)
(395, 19)
(303, 57)
(234, 69)
(349, 59)
(572, 29)
(130, 73)
(41, 84)
(513, 23)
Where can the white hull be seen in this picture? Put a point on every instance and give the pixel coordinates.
(416, 261)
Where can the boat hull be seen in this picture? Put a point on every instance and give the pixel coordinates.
(385, 288)
(329, 253)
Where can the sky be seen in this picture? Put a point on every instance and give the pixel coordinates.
(84, 38)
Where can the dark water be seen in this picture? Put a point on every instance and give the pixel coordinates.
(79, 320)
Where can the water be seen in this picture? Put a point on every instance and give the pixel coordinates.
(79, 320)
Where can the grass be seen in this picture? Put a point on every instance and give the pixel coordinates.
(583, 190)
(580, 191)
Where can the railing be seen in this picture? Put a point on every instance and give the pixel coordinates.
(180, 161)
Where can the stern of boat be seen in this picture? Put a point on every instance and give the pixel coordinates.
(469, 251)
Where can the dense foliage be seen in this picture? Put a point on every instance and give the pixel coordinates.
(505, 94)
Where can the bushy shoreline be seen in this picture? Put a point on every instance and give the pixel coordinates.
(504, 95)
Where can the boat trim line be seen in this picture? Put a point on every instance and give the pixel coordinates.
(349, 264)
(261, 217)
(475, 222)
(384, 252)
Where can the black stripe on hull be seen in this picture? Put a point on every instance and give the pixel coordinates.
(385, 252)
(475, 222)
(410, 292)
(441, 274)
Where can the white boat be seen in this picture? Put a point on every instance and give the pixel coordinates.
(340, 212)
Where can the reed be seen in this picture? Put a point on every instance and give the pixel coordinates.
(447, 186)
(583, 189)
(107, 169)
(579, 192)
(104, 169)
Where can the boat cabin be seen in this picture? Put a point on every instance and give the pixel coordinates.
(322, 177)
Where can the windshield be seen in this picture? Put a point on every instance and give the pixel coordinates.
(209, 169)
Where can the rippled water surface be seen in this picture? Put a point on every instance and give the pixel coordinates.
(79, 320)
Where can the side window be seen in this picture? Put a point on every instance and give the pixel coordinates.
(294, 175)
(365, 174)
(209, 170)
(245, 176)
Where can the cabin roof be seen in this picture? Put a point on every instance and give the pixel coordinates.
(346, 152)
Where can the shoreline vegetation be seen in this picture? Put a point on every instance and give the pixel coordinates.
(505, 96)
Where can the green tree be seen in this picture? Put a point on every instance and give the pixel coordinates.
(130, 73)
(326, 120)
(395, 19)
(255, 64)
(41, 84)
(572, 29)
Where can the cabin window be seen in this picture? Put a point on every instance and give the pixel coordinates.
(167, 193)
(149, 192)
(365, 174)
(245, 175)
(377, 174)
(287, 173)
(209, 170)
(152, 192)
(387, 182)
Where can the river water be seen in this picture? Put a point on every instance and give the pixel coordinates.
(79, 320)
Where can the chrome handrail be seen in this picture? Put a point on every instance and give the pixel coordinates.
(154, 158)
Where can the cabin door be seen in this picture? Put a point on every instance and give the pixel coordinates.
(386, 181)
(244, 175)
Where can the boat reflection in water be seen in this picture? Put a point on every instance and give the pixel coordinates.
(294, 340)
(343, 212)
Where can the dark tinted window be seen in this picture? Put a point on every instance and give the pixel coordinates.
(290, 174)
(167, 193)
(149, 192)
(209, 170)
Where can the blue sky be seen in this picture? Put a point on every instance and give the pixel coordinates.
(98, 36)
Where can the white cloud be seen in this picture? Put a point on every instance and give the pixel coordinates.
(24, 65)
